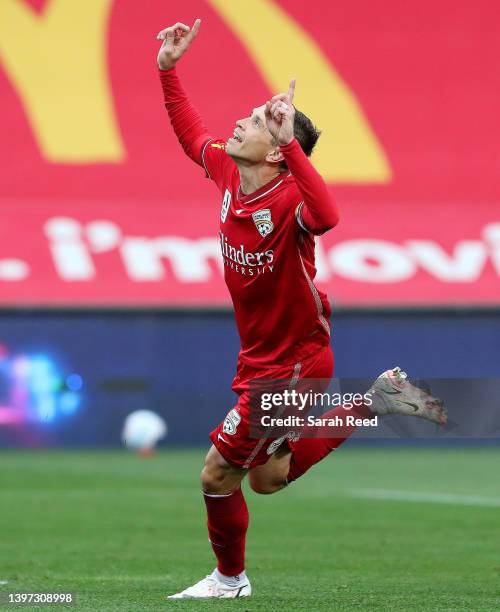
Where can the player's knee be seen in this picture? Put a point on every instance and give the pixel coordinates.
(266, 487)
(211, 479)
(214, 476)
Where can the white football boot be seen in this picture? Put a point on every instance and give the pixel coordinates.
(211, 587)
(392, 393)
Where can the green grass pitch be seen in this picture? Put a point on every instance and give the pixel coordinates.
(367, 529)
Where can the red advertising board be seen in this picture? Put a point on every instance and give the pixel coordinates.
(99, 206)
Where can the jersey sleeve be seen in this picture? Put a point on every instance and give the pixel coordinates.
(317, 212)
(217, 163)
(185, 119)
(188, 126)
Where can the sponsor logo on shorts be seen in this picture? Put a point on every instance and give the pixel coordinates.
(231, 422)
(293, 436)
(275, 444)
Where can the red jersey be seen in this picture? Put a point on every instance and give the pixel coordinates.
(267, 242)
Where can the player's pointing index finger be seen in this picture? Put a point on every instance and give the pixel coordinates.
(291, 90)
(194, 29)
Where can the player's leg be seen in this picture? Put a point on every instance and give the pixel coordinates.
(227, 521)
(219, 477)
(317, 442)
(271, 476)
(227, 515)
(391, 393)
(292, 459)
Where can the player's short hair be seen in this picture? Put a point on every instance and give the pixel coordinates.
(305, 132)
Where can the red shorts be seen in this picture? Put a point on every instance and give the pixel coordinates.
(232, 437)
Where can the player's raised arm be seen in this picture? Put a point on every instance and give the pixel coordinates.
(185, 119)
(318, 212)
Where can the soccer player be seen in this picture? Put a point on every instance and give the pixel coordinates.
(273, 204)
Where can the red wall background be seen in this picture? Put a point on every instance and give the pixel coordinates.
(425, 75)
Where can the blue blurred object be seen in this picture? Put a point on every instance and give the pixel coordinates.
(32, 389)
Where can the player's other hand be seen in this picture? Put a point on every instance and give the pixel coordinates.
(176, 40)
(280, 114)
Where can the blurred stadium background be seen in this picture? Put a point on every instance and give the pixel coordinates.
(111, 290)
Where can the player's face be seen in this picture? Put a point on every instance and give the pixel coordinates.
(251, 140)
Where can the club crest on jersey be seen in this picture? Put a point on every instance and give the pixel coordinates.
(231, 422)
(226, 201)
(262, 220)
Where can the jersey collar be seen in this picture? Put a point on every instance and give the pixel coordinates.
(262, 191)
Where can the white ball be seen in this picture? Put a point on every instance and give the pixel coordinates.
(143, 429)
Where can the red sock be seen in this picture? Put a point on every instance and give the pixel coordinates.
(310, 449)
(227, 528)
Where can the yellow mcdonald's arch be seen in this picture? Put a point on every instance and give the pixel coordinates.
(57, 62)
(348, 150)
